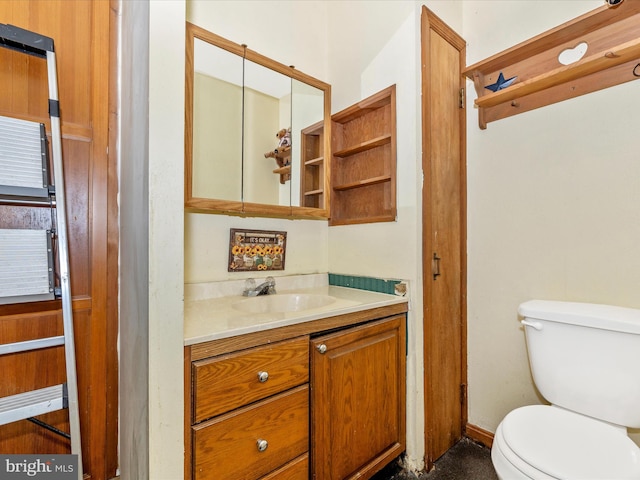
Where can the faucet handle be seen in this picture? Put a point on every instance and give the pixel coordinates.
(249, 284)
(271, 282)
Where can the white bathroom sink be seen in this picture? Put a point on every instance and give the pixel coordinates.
(282, 303)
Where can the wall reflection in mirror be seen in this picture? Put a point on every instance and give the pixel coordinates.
(267, 111)
(247, 124)
(217, 123)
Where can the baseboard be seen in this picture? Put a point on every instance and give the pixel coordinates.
(480, 435)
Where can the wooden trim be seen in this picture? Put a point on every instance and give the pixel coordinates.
(463, 233)
(288, 70)
(480, 435)
(112, 252)
(427, 224)
(188, 407)
(100, 83)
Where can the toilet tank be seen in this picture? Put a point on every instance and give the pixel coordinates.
(586, 357)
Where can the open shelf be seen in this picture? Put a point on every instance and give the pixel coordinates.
(363, 170)
(364, 146)
(312, 166)
(364, 182)
(314, 192)
(612, 36)
(314, 161)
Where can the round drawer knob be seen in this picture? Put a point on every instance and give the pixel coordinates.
(262, 445)
(322, 348)
(263, 376)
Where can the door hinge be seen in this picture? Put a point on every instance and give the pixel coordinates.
(463, 393)
(462, 98)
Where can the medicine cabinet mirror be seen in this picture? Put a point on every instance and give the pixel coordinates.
(257, 136)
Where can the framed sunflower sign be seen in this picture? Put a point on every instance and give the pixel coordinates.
(256, 250)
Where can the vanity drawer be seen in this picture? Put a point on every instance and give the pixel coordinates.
(227, 447)
(223, 383)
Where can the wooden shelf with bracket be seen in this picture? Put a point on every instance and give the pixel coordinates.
(612, 57)
(283, 159)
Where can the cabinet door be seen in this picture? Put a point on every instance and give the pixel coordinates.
(358, 399)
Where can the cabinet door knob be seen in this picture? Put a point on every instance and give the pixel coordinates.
(322, 348)
(263, 376)
(262, 445)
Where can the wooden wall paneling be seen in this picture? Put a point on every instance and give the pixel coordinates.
(82, 33)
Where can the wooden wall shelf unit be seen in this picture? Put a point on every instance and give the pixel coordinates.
(612, 57)
(312, 166)
(283, 159)
(363, 168)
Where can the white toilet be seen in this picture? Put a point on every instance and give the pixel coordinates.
(585, 360)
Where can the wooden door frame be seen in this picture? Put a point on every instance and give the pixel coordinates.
(113, 251)
(430, 21)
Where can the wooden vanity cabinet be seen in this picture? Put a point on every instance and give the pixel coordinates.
(358, 399)
(323, 399)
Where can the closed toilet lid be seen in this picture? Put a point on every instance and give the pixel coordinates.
(566, 445)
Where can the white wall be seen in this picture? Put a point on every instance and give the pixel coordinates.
(133, 151)
(553, 199)
(151, 225)
(166, 220)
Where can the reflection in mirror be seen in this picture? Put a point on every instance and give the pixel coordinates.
(308, 110)
(217, 123)
(240, 107)
(267, 136)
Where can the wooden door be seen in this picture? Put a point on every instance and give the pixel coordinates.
(81, 33)
(358, 400)
(444, 235)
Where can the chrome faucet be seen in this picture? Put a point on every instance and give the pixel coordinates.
(268, 287)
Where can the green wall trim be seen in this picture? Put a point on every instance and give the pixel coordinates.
(364, 283)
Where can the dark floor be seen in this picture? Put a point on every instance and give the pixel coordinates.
(466, 460)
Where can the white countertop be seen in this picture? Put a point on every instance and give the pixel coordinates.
(216, 318)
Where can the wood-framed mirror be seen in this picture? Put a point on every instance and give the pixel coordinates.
(257, 133)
